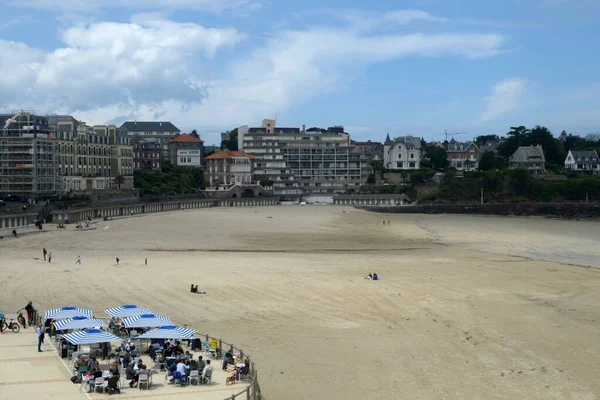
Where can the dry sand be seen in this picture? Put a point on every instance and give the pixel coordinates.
(468, 307)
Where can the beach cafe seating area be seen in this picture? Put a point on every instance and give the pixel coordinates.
(138, 350)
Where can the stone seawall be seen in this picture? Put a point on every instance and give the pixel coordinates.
(71, 216)
(559, 210)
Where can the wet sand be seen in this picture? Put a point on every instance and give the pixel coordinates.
(468, 307)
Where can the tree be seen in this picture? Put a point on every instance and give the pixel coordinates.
(483, 139)
(437, 156)
(232, 142)
(371, 179)
(490, 161)
(194, 133)
(553, 149)
(119, 180)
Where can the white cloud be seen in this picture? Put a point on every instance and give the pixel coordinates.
(155, 68)
(82, 6)
(366, 20)
(507, 95)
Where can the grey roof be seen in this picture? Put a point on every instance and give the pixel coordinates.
(150, 126)
(388, 141)
(528, 154)
(409, 140)
(459, 147)
(489, 147)
(590, 155)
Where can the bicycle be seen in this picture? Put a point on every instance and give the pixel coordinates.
(13, 326)
(21, 318)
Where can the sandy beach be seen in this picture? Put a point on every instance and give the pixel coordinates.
(469, 307)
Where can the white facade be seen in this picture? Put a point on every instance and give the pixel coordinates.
(583, 161)
(402, 153)
(189, 158)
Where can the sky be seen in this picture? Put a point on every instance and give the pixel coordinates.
(419, 67)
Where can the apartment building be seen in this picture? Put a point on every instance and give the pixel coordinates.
(57, 153)
(299, 162)
(147, 154)
(27, 155)
(402, 153)
(227, 168)
(186, 151)
(162, 131)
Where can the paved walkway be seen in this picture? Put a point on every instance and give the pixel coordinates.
(26, 374)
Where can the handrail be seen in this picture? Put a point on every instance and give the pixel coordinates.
(252, 391)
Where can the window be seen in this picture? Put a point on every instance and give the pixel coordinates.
(399, 156)
(412, 156)
(411, 165)
(399, 165)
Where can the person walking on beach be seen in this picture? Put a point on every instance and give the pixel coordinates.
(117, 258)
(40, 333)
(78, 260)
(44, 252)
(146, 261)
(49, 257)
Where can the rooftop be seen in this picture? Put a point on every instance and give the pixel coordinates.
(225, 154)
(150, 126)
(185, 138)
(528, 154)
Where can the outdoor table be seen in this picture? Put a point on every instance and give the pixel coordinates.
(106, 374)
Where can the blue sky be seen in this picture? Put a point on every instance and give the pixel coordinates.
(408, 67)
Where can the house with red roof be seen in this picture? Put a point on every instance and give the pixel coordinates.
(226, 168)
(186, 151)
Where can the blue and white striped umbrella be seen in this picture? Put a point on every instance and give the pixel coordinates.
(89, 336)
(168, 332)
(146, 321)
(127, 310)
(67, 312)
(78, 322)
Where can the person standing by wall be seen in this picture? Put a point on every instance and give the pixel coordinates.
(50, 257)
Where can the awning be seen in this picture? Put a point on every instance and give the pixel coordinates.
(168, 332)
(78, 322)
(67, 312)
(127, 310)
(146, 321)
(89, 336)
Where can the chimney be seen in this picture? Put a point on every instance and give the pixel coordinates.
(303, 128)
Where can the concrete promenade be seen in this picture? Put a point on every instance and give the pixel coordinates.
(26, 374)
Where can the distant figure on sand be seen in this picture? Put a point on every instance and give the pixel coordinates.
(49, 257)
(117, 258)
(375, 276)
(78, 260)
(146, 261)
(369, 276)
(14, 232)
(388, 221)
(44, 252)
(192, 288)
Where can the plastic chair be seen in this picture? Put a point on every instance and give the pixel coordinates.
(99, 382)
(207, 378)
(143, 379)
(193, 376)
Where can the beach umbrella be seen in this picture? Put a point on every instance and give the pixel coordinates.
(127, 310)
(67, 312)
(168, 332)
(146, 321)
(89, 336)
(78, 322)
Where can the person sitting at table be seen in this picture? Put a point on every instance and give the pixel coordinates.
(152, 353)
(182, 369)
(201, 364)
(168, 351)
(137, 366)
(96, 374)
(207, 368)
(228, 359)
(129, 372)
(92, 364)
(130, 347)
(126, 360)
(114, 369)
(178, 349)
